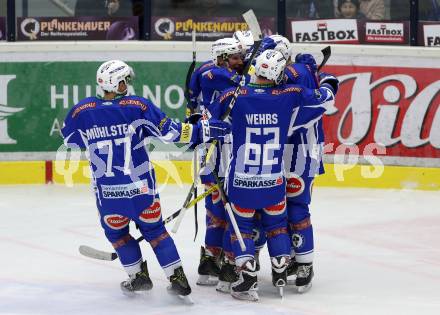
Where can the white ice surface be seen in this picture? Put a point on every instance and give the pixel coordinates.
(377, 252)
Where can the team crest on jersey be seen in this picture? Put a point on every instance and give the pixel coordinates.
(107, 103)
(277, 209)
(298, 240)
(243, 212)
(152, 213)
(295, 186)
(116, 221)
(259, 91)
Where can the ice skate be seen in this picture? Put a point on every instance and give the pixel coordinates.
(304, 277)
(279, 273)
(138, 282)
(208, 269)
(245, 288)
(227, 276)
(291, 271)
(179, 286)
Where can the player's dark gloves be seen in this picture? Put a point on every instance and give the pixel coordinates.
(307, 59)
(193, 119)
(329, 80)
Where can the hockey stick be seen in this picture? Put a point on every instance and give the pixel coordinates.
(103, 255)
(326, 52)
(252, 22)
(195, 184)
(254, 27)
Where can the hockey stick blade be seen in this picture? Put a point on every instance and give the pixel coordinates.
(252, 22)
(326, 52)
(96, 254)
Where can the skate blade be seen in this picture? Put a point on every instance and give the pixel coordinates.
(246, 296)
(281, 291)
(186, 299)
(207, 280)
(304, 288)
(223, 286)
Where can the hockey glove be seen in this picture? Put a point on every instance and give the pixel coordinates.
(213, 129)
(193, 118)
(330, 81)
(307, 59)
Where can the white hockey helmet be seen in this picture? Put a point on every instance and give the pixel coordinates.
(245, 38)
(270, 65)
(225, 47)
(282, 45)
(110, 73)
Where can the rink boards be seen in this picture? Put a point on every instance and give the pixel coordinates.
(180, 172)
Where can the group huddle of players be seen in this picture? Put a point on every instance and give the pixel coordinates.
(269, 166)
(273, 140)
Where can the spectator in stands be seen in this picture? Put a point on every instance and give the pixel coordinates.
(350, 9)
(429, 10)
(311, 9)
(372, 9)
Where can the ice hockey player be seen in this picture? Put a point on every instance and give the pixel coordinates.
(264, 114)
(113, 129)
(303, 160)
(227, 59)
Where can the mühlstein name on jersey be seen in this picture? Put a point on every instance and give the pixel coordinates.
(262, 119)
(108, 131)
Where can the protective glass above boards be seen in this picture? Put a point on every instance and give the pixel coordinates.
(211, 19)
(78, 19)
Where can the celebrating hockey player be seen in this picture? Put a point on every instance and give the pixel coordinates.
(207, 82)
(265, 113)
(113, 129)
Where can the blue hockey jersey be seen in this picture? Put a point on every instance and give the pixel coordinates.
(305, 144)
(194, 88)
(263, 117)
(114, 134)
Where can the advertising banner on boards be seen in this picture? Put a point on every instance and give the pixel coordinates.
(77, 28)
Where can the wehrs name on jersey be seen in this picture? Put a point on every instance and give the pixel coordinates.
(262, 119)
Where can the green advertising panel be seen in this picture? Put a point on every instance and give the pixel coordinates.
(35, 97)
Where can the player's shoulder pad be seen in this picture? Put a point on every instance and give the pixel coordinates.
(226, 94)
(291, 70)
(135, 101)
(287, 89)
(86, 103)
(206, 65)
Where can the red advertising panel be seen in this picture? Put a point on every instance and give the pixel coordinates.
(396, 107)
(385, 32)
(207, 28)
(77, 28)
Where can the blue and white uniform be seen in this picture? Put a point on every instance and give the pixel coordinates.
(303, 160)
(263, 118)
(114, 133)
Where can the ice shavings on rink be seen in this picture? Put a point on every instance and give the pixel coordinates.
(377, 252)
